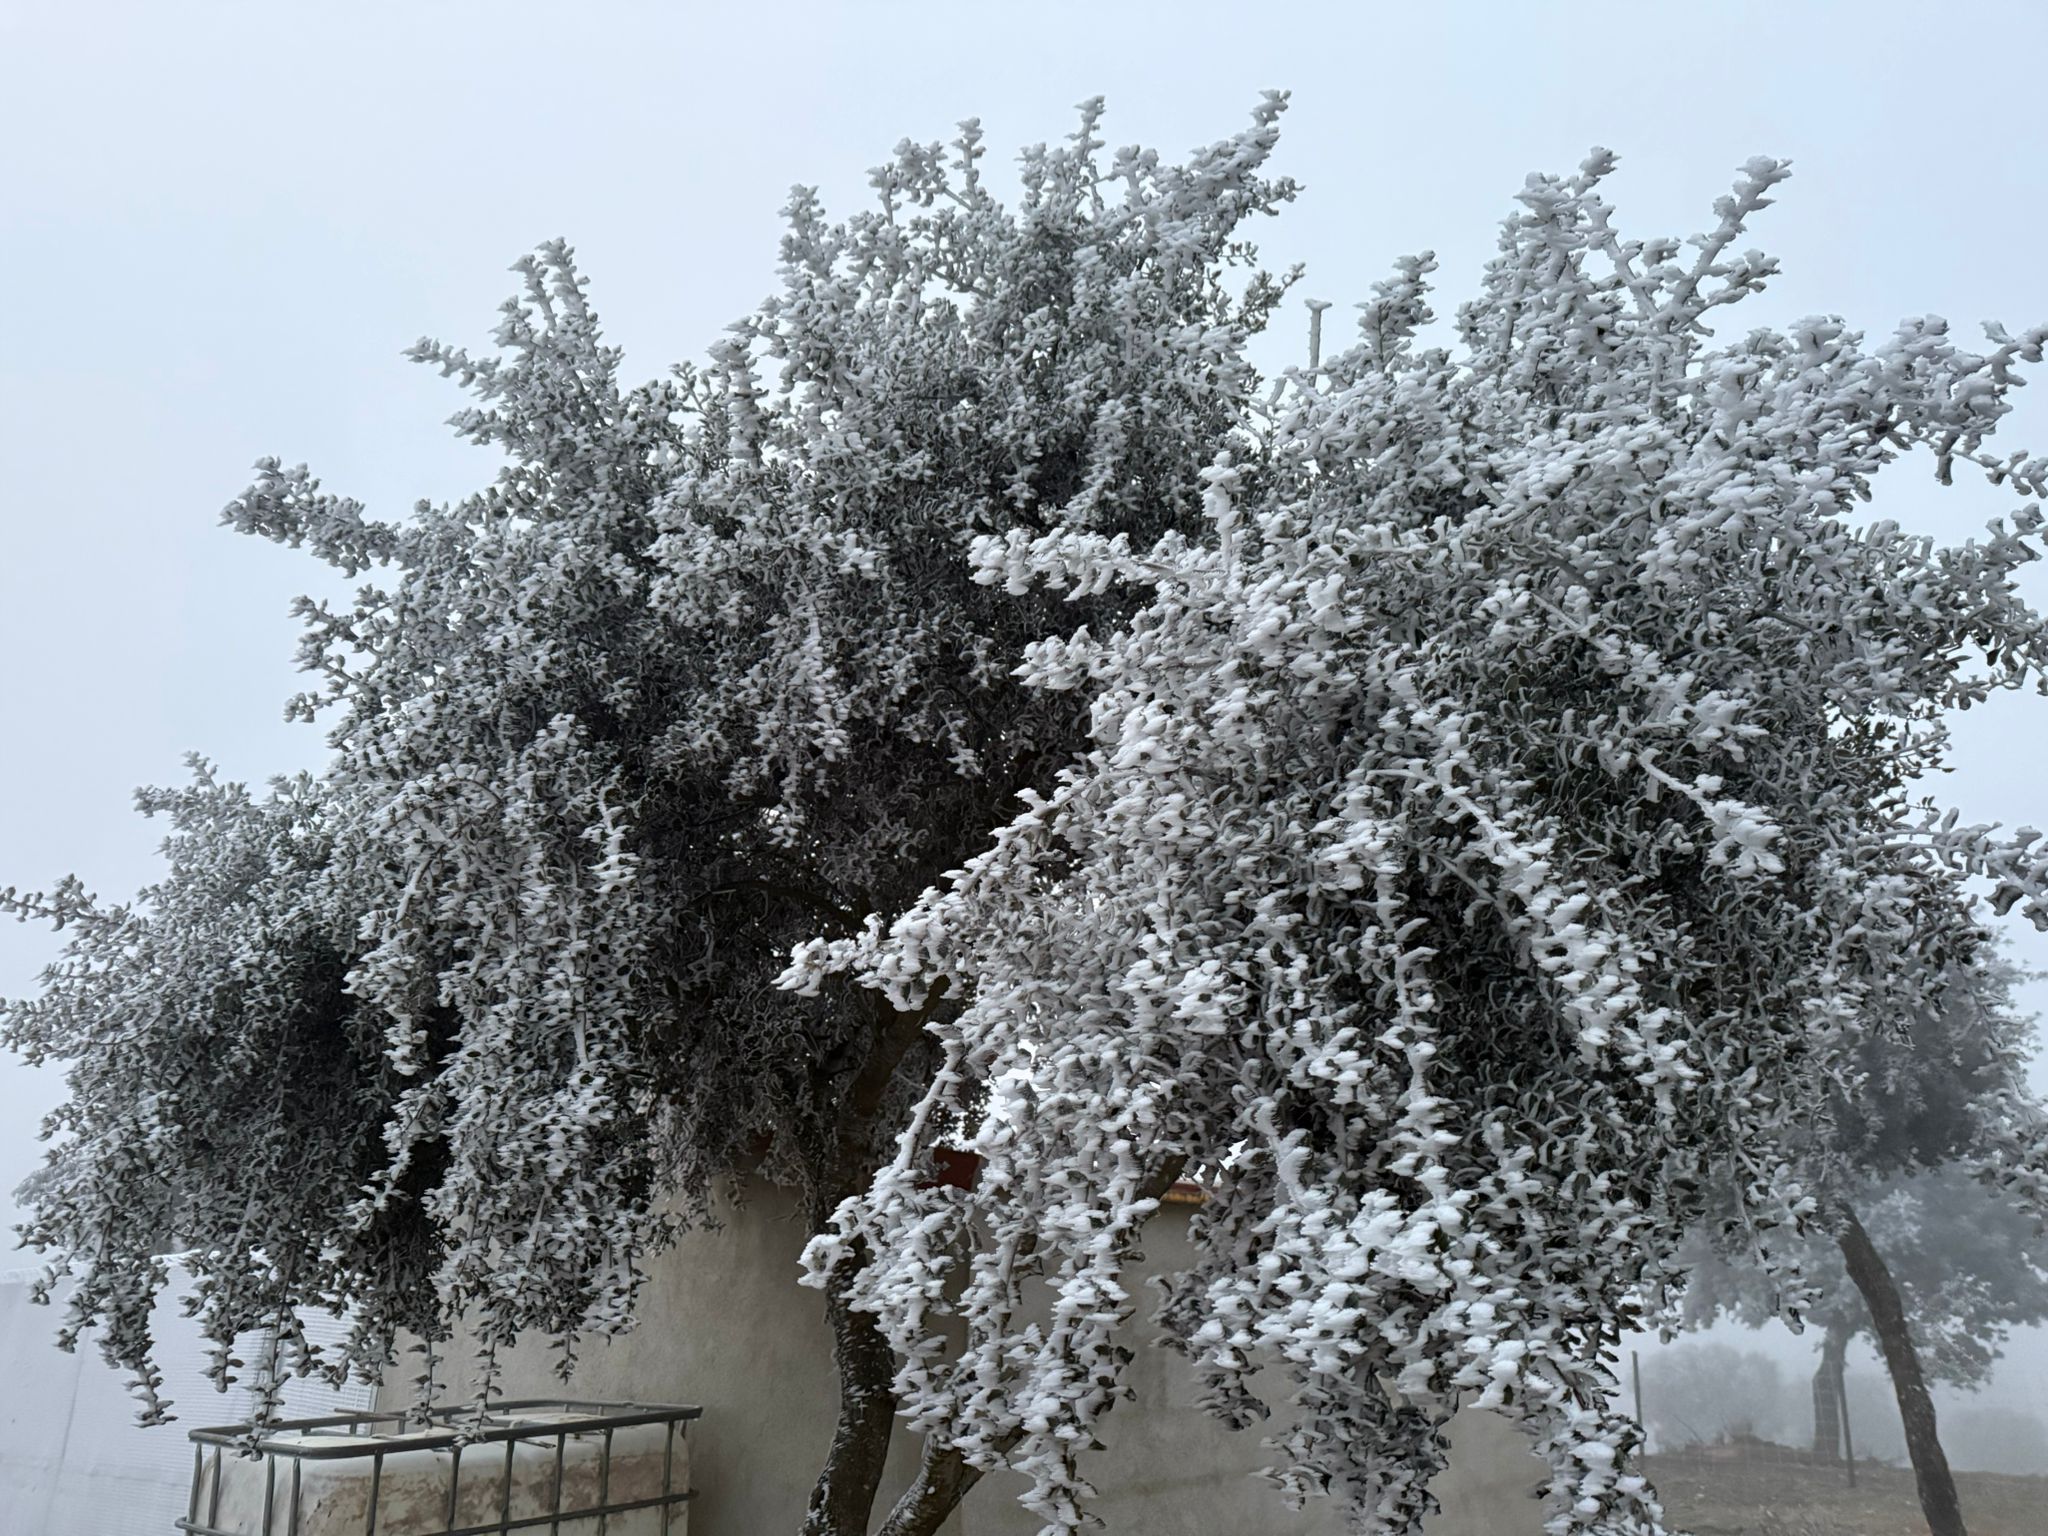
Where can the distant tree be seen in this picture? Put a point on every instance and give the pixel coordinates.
(1967, 1263)
(1699, 1392)
(1911, 1248)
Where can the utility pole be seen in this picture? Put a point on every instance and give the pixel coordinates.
(1635, 1370)
(1848, 1444)
(1315, 332)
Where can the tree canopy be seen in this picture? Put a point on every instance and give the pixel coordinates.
(1502, 820)
(1904, 1145)
(701, 674)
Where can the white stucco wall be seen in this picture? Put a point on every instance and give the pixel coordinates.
(726, 1326)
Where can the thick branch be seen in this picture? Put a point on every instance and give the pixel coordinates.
(844, 1495)
(894, 1037)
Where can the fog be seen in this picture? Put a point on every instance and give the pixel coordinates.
(223, 223)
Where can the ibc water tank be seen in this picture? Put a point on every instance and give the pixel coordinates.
(567, 1469)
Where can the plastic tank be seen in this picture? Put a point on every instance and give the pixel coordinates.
(564, 1468)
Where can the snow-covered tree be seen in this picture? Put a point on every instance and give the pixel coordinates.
(1500, 823)
(465, 1026)
(1465, 808)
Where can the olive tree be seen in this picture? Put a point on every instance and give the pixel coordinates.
(1915, 1246)
(1464, 806)
(467, 1025)
(1500, 824)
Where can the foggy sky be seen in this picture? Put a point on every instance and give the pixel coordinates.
(223, 223)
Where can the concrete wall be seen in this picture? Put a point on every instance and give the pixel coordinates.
(725, 1325)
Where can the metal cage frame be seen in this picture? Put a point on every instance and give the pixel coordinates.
(500, 1425)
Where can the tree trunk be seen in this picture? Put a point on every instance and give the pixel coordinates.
(844, 1495)
(1827, 1399)
(942, 1481)
(1916, 1409)
(843, 1498)
(1848, 1439)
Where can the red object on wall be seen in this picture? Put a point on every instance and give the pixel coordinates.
(955, 1167)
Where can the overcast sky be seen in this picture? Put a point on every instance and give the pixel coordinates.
(223, 223)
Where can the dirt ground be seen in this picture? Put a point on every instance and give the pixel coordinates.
(1760, 1497)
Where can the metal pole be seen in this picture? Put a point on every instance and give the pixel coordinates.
(668, 1476)
(1848, 1445)
(1315, 332)
(555, 1525)
(1635, 1370)
(376, 1486)
(454, 1484)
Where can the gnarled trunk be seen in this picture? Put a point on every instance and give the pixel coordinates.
(843, 1498)
(844, 1495)
(1916, 1409)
